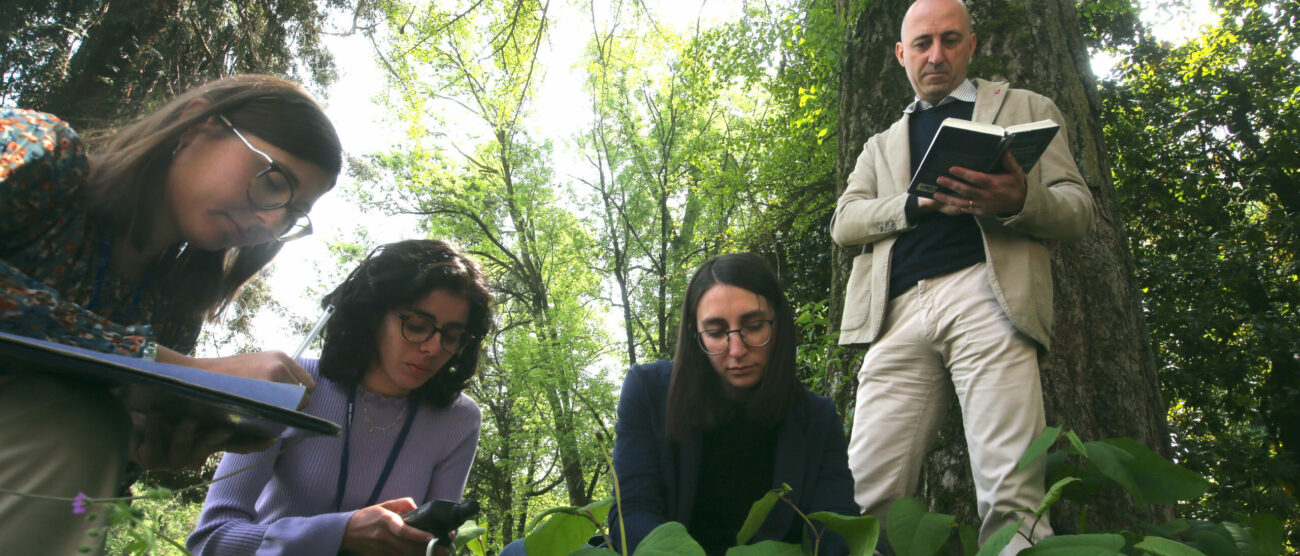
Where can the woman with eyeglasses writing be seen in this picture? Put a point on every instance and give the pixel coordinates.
(127, 248)
(702, 437)
(401, 346)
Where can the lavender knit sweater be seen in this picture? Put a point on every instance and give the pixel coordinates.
(285, 505)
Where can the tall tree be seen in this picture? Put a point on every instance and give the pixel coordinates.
(490, 187)
(1205, 162)
(1099, 377)
(96, 63)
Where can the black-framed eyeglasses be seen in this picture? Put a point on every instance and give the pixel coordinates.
(417, 329)
(273, 188)
(755, 333)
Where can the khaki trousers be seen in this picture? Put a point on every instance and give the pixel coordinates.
(949, 328)
(56, 439)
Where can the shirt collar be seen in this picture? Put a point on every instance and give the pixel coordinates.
(965, 92)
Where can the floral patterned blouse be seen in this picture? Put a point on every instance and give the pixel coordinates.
(56, 282)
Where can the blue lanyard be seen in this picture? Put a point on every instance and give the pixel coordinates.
(392, 455)
(106, 253)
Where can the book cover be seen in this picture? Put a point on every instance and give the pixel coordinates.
(978, 146)
(256, 408)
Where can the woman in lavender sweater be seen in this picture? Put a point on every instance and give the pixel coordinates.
(401, 346)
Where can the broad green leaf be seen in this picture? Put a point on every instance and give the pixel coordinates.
(1174, 527)
(758, 513)
(476, 547)
(669, 539)
(1161, 546)
(1040, 445)
(1244, 540)
(593, 551)
(860, 532)
(1212, 539)
(1077, 545)
(1000, 539)
(1160, 480)
(566, 531)
(467, 532)
(1054, 494)
(1114, 463)
(913, 531)
(1267, 530)
(970, 539)
(765, 548)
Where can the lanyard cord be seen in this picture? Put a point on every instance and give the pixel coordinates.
(392, 455)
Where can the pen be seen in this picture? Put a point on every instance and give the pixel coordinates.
(315, 331)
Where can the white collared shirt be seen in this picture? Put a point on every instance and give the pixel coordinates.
(965, 92)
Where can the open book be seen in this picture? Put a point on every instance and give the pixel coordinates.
(257, 409)
(979, 146)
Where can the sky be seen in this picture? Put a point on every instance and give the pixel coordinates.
(350, 104)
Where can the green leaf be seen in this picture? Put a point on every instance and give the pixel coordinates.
(1054, 494)
(1213, 540)
(1244, 540)
(669, 539)
(758, 513)
(467, 532)
(1160, 481)
(1078, 444)
(476, 547)
(1161, 546)
(1040, 445)
(593, 551)
(1077, 545)
(566, 531)
(1114, 463)
(913, 531)
(765, 548)
(1267, 530)
(860, 532)
(970, 539)
(1000, 539)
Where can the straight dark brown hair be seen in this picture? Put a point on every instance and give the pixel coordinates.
(126, 183)
(695, 397)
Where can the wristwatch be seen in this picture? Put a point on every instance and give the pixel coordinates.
(149, 352)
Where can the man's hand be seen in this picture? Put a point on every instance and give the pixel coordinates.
(379, 529)
(980, 193)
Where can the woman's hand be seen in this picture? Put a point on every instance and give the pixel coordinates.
(158, 443)
(379, 529)
(272, 366)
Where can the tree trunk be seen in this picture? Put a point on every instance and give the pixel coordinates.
(1099, 377)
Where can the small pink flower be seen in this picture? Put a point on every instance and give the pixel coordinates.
(79, 503)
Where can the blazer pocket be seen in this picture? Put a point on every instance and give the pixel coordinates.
(857, 295)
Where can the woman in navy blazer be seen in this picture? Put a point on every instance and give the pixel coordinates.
(701, 438)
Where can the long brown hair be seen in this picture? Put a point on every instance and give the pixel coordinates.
(695, 398)
(126, 182)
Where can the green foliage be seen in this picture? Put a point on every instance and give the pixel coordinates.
(1204, 142)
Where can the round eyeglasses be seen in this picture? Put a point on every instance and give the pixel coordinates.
(417, 329)
(755, 333)
(272, 188)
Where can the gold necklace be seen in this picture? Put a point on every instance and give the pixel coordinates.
(365, 417)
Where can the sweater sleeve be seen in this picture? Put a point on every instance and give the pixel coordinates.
(228, 527)
(42, 164)
(450, 475)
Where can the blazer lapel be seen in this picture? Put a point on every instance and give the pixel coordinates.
(900, 166)
(988, 101)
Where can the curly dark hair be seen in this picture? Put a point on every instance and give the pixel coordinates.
(393, 275)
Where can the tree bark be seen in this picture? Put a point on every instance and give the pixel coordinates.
(1099, 376)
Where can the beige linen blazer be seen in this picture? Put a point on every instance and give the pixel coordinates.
(870, 214)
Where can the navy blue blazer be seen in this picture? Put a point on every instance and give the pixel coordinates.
(658, 477)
